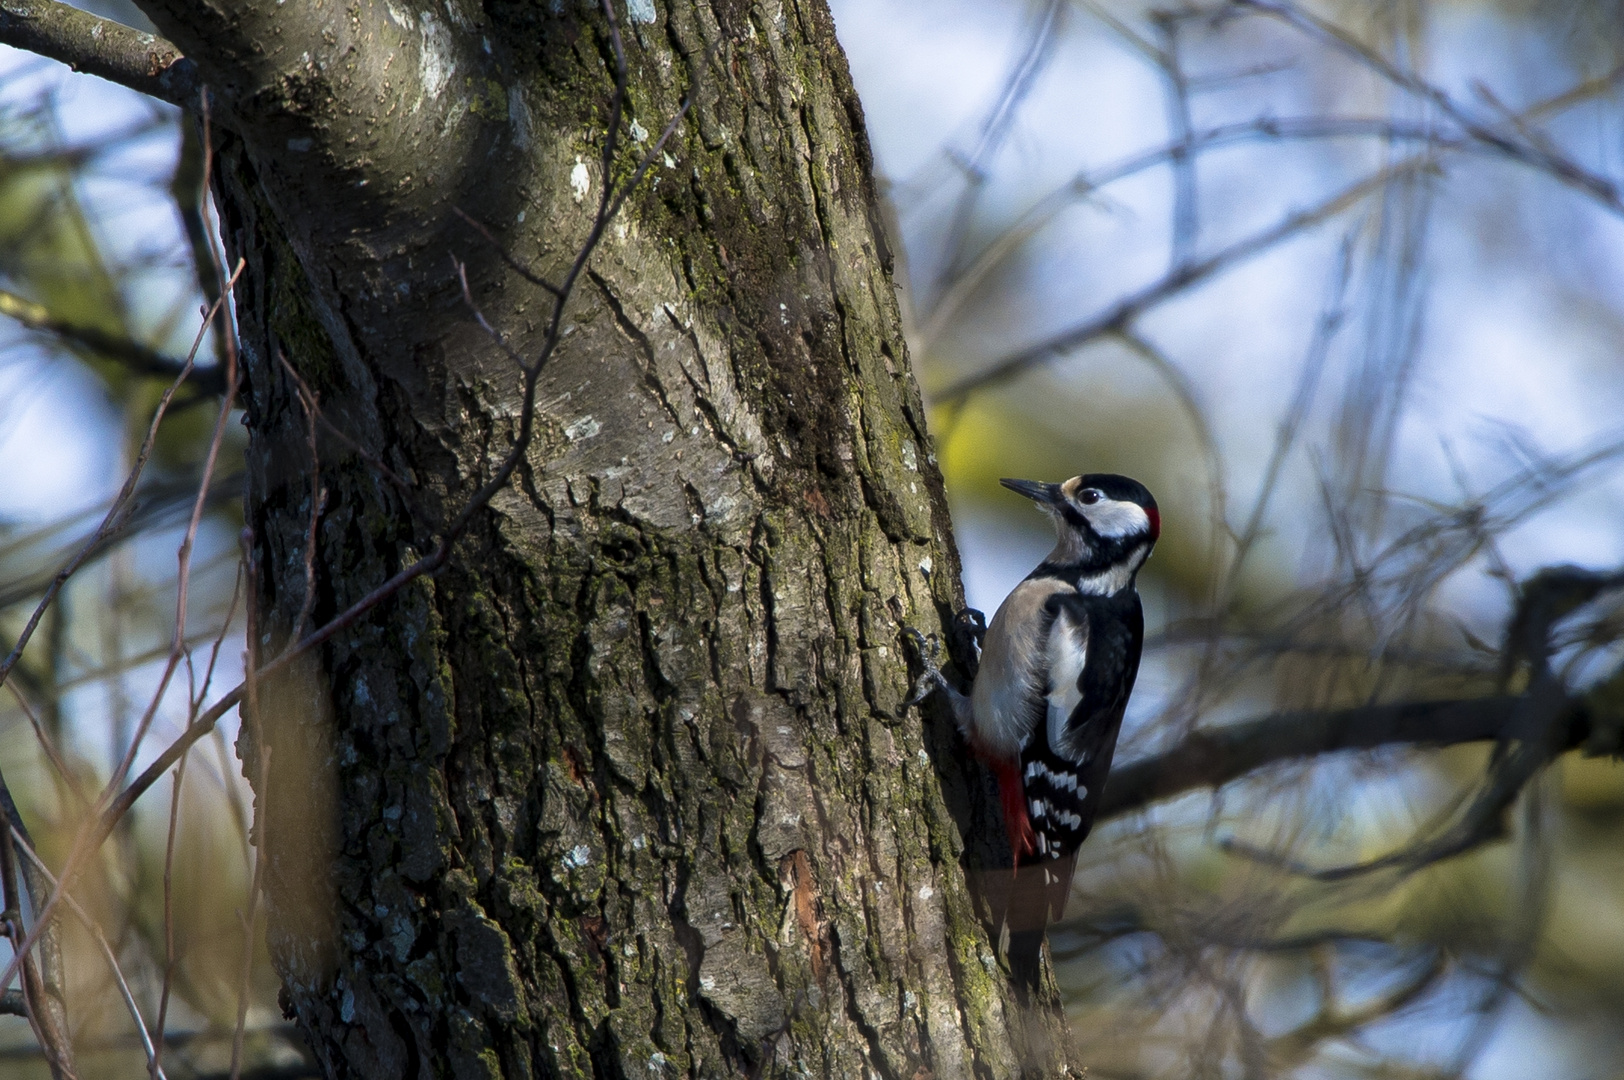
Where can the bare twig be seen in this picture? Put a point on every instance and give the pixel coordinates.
(1121, 314)
(311, 405)
(142, 359)
(306, 394)
(115, 513)
(1184, 390)
(255, 885)
(42, 1017)
(1562, 168)
(507, 257)
(49, 747)
(1186, 200)
(1439, 139)
(184, 557)
(147, 1045)
(169, 916)
(995, 128)
(1325, 329)
(89, 839)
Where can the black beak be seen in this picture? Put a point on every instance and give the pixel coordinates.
(1037, 491)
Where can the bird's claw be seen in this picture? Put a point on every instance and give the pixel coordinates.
(930, 680)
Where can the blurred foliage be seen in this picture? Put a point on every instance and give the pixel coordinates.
(109, 315)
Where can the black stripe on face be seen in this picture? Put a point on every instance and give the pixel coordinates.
(1074, 517)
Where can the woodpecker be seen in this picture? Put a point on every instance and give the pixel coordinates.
(1058, 662)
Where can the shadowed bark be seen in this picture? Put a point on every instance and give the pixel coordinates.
(626, 790)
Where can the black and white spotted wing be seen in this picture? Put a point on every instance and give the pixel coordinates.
(1093, 658)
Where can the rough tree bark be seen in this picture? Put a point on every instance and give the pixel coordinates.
(627, 789)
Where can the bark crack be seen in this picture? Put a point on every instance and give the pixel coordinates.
(649, 367)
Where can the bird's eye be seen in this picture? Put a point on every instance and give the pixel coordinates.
(1090, 496)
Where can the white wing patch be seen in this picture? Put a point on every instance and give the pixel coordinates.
(1068, 652)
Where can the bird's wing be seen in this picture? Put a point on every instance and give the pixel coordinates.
(1104, 680)
(1092, 659)
(1008, 702)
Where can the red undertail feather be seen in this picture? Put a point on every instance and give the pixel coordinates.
(1022, 840)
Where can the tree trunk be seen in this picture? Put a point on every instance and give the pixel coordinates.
(627, 789)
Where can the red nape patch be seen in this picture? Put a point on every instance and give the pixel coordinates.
(1022, 840)
(1155, 522)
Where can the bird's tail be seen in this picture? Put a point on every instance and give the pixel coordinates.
(1024, 903)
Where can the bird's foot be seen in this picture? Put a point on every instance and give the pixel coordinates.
(931, 679)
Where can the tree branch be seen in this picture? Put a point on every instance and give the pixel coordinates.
(139, 358)
(1120, 315)
(100, 47)
(1214, 757)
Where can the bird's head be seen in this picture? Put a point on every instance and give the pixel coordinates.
(1105, 523)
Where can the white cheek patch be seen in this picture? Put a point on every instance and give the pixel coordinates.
(1114, 520)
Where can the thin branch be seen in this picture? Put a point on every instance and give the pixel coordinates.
(190, 190)
(311, 406)
(169, 917)
(261, 858)
(184, 556)
(369, 458)
(139, 358)
(41, 1016)
(102, 47)
(1562, 168)
(507, 256)
(1308, 128)
(38, 886)
(1186, 194)
(95, 930)
(1121, 314)
(49, 747)
(1295, 1047)
(1184, 390)
(995, 128)
(116, 513)
(153, 506)
(1325, 329)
